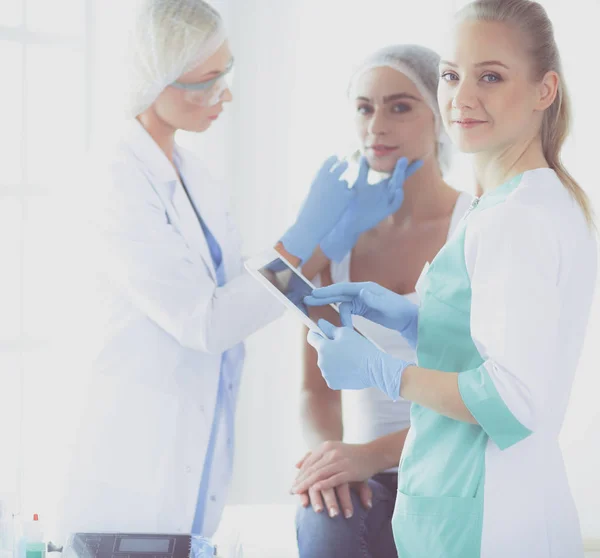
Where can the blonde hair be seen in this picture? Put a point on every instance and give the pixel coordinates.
(168, 39)
(531, 18)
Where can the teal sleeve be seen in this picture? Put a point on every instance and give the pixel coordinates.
(487, 407)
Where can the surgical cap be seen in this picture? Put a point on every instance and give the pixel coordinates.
(421, 66)
(170, 38)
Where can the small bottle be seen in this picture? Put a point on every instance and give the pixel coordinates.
(33, 545)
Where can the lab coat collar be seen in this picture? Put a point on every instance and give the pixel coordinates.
(148, 151)
(165, 179)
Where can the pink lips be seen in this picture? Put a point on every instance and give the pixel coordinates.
(468, 122)
(382, 150)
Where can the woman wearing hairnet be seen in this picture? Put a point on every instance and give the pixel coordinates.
(154, 446)
(393, 94)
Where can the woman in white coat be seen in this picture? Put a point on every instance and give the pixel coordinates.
(154, 446)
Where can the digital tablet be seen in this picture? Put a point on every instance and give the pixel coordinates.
(290, 287)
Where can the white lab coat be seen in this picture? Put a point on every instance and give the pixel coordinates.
(150, 398)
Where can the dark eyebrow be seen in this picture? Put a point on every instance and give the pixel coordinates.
(484, 63)
(398, 96)
(390, 98)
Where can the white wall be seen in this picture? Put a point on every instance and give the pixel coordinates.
(294, 58)
(265, 187)
(577, 32)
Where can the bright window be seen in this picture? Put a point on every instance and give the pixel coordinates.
(45, 58)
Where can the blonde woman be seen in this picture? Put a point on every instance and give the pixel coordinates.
(503, 312)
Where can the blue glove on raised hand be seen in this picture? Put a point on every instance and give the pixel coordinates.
(370, 205)
(327, 200)
(349, 361)
(373, 302)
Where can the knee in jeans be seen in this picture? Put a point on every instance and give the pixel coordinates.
(319, 525)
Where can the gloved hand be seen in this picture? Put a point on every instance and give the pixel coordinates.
(373, 302)
(328, 198)
(349, 361)
(370, 205)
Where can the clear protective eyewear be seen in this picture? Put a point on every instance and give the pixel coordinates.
(207, 93)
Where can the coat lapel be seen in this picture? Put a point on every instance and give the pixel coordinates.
(165, 181)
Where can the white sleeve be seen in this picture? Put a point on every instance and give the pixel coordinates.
(142, 252)
(512, 256)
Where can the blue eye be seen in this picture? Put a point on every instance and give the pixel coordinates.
(449, 76)
(494, 78)
(364, 109)
(400, 108)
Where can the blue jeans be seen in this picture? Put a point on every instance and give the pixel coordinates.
(367, 534)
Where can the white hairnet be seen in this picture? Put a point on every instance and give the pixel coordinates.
(170, 38)
(421, 66)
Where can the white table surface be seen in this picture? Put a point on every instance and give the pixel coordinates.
(266, 531)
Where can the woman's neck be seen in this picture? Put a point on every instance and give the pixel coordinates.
(160, 132)
(426, 196)
(493, 169)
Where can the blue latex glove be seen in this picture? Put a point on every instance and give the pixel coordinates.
(327, 200)
(349, 361)
(373, 302)
(371, 204)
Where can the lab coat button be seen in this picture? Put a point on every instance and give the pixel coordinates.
(188, 469)
(213, 498)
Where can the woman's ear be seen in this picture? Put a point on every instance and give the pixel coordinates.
(547, 90)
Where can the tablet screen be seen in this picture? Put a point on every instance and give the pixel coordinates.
(295, 287)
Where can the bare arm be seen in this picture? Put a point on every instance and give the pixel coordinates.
(294, 260)
(386, 450)
(435, 390)
(320, 406)
(318, 263)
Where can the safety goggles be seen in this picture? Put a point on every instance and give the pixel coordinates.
(207, 93)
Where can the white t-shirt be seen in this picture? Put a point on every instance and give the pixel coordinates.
(369, 414)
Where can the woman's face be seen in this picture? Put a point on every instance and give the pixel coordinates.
(195, 111)
(486, 93)
(392, 119)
